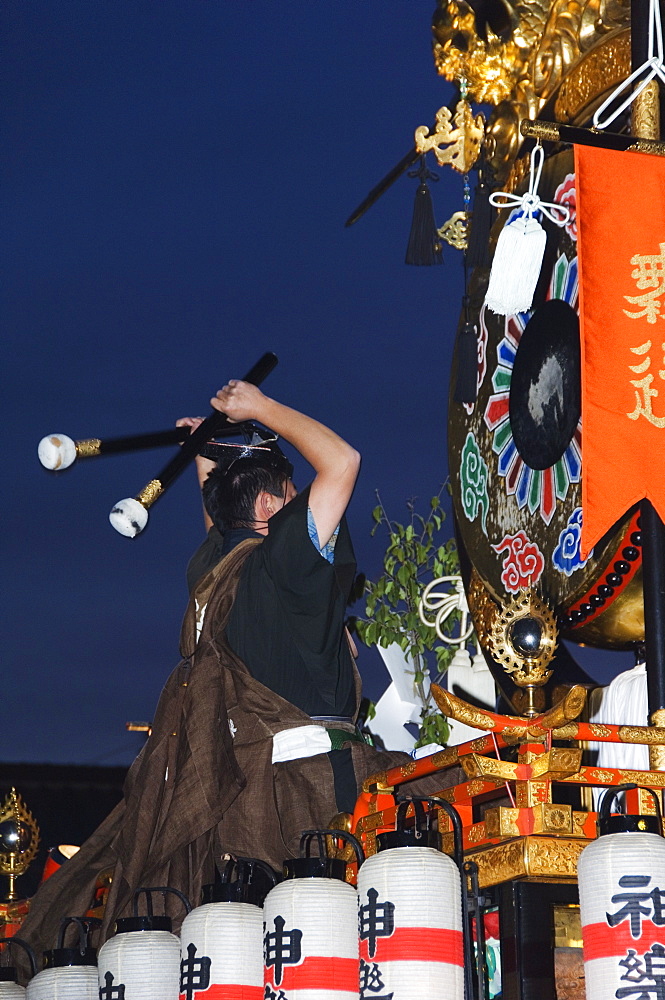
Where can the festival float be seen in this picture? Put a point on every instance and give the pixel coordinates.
(535, 871)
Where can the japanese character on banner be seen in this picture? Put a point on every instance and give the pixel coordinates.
(638, 905)
(644, 394)
(375, 920)
(646, 973)
(371, 982)
(649, 273)
(282, 948)
(194, 973)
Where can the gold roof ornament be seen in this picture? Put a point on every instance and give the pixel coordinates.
(519, 56)
(19, 839)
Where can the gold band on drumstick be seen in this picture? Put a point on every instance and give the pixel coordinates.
(130, 516)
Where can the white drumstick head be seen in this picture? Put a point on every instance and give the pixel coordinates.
(129, 517)
(57, 451)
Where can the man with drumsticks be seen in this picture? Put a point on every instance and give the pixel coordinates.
(287, 620)
(254, 737)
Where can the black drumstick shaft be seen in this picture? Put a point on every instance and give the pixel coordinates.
(212, 426)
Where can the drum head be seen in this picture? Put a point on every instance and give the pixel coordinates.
(544, 400)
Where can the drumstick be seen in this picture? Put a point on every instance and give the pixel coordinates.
(130, 516)
(57, 451)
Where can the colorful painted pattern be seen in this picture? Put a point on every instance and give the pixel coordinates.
(473, 479)
(523, 562)
(539, 489)
(566, 556)
(566, 195)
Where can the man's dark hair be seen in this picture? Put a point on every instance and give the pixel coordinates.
(230, 491)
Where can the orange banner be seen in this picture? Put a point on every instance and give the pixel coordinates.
(621, 246)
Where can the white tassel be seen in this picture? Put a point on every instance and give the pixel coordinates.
(516, 266)
(521, 245)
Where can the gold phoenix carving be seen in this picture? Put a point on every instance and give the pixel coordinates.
(547, 50)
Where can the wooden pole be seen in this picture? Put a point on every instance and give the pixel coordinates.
(646, 125)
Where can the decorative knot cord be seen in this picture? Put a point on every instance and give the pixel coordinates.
(652, 67)
(521, 244)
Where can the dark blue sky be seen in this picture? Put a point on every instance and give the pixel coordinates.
(176, 176)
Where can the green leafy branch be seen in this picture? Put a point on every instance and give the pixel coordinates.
(415, 554)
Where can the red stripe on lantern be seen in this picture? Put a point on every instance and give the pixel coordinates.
(602, 941)
(417, 944)
(228, 991)
(318, 972)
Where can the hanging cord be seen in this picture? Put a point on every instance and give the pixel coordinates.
(653, 64)
(424, 246)
(530, 202)
(466, 348)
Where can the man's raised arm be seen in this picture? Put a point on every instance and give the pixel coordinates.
(335, 462)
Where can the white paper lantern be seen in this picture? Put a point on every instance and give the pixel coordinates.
(222, 940)
(621, 879)
(10, 990)
(65, 983)
(310, 942)
(69, 973)
(410, 921)
(143, 957)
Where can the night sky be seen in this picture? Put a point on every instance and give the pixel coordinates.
(175, 180)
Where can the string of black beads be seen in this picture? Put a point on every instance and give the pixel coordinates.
(613, 579)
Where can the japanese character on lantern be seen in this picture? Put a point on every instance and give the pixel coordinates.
(636, 905)
(282, 948)
(194, 973)
(375, 920)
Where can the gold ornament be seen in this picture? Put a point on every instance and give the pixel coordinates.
(461, 142)
(88, 448)
(524, 657)
(482, 608)
(646, 112)
(150, 493)
(340, 821)
(455, 230)
(547, 49)
(657, 753)
(19, 839)
(605, 66)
